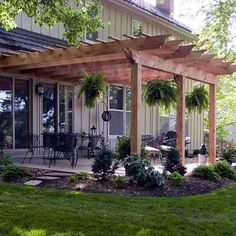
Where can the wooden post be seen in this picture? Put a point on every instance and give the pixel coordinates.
(212, 124)
(180, 118)
(136, 93)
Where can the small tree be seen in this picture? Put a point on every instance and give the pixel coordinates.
(102, 165)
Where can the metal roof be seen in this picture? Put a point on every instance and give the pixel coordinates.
(26, 41)
(149, 8)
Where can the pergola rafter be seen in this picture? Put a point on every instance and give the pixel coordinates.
(130, 61)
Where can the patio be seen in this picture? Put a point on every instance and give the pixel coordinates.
(84, 164)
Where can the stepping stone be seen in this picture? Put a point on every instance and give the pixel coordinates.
(58, 174)
(47, 177)
(33, 182)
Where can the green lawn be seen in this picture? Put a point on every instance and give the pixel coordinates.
(34, 211)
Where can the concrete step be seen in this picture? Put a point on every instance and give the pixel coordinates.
(47, 178)
(33, 182)
(58, 174)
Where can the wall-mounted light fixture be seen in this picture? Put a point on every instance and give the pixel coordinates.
(39, 89)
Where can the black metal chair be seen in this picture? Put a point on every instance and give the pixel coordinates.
(90, 148)
(33, 143)
(64, 147)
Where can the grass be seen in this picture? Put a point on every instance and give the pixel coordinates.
(28, 211)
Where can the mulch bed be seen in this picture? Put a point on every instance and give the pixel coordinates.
(192, 186)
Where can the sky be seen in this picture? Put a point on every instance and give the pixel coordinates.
(189, 12)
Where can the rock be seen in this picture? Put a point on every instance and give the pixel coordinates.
(47, 177)
(33, 182)
(79, 186)
(58, 174)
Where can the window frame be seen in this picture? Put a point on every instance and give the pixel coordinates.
(124, 111)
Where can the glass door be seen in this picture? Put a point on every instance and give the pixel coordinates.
(6, 110)
(14, 112)
(49, 109)
(21, 113)
(65, 108)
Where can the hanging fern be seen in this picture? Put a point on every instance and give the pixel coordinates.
(94, 88)
(197, 100)
(161, 92)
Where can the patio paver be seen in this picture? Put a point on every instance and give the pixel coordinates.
(33, 182)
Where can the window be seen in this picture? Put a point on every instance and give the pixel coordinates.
(136, 28)
(120, 105)
(14, 111)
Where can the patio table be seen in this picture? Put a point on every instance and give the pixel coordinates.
(62, 146)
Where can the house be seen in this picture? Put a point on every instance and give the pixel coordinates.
(23, 111)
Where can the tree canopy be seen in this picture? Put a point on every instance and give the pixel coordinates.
(219, 37)
(76, 18)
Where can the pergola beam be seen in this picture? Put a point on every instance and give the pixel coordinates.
(67, 55)
(175, 68)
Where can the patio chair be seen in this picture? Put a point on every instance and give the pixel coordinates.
(48, 144)
(33, 143)
(90, 148)
(64, 147)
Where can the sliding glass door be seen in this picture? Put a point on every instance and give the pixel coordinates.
(57, 108)
(49, 108)
(14, 111)
(6, 110)
(21, 112)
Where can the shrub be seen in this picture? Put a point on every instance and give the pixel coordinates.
(123, 148)
(142, 172)
(134, 164)
(6, 160)
(13, 173)
(150, 178)
(173, 162)
(228, 150)
(205, 172)
(176, 178)
(223, 169)
(72, 178)
(82, 176)
(102, 165)
(118, 181)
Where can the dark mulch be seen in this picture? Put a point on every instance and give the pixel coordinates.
(192, 186)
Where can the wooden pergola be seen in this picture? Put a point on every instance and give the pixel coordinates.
(131, 61)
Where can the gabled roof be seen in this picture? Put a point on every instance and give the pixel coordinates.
(26, 41)
(149, 8)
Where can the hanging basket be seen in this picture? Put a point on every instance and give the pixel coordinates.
(94, 89)
(106, 116)
(197, 100)
(161, 93)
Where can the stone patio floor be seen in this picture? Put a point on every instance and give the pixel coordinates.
(84, 165)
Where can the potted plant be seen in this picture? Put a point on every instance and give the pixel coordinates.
(161, 92)
(94, 89)
(197, 100)
(202, 156)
